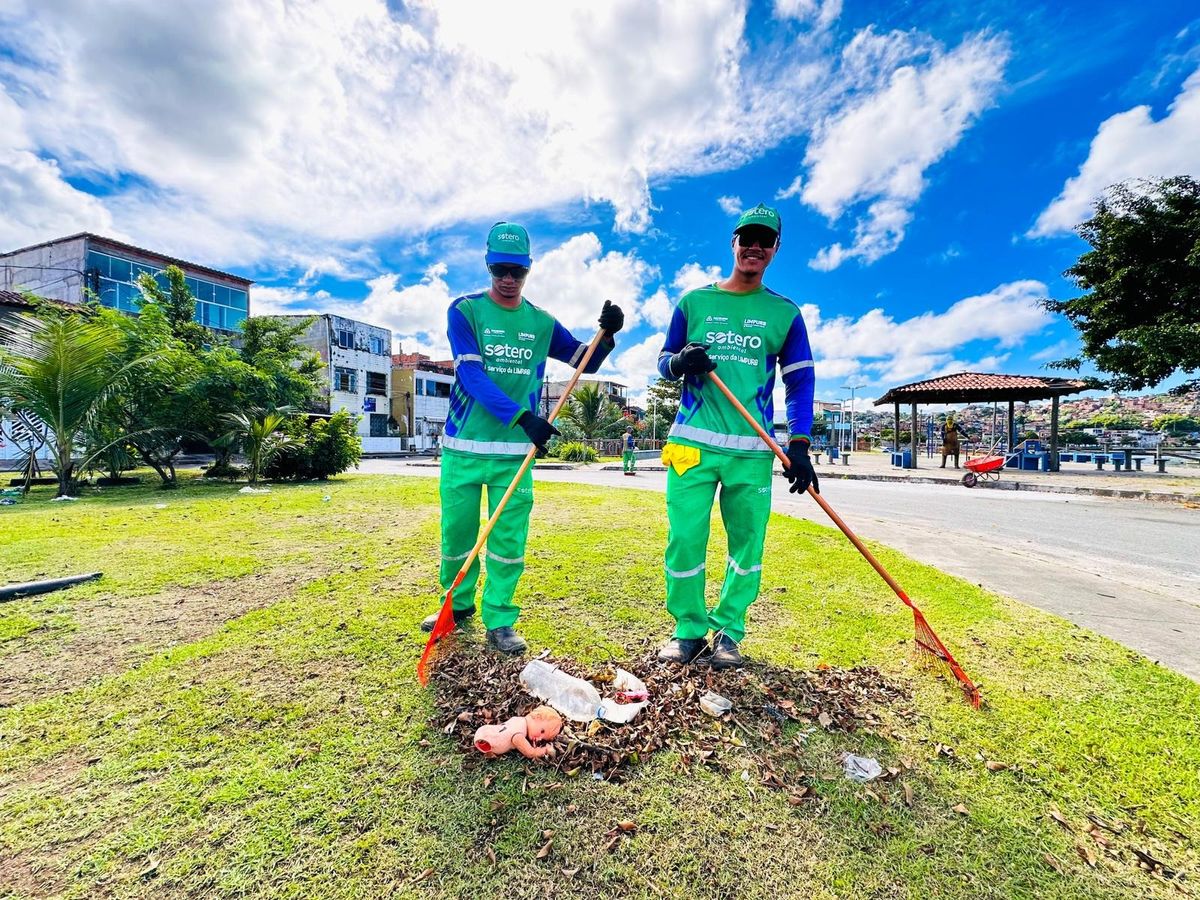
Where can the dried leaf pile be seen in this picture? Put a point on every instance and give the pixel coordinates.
(474, 689)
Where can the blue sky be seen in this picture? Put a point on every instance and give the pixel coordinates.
(929, 159)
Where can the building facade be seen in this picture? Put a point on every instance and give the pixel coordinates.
(613, 390)
(63, 269)
(358, 359)
(421, 398)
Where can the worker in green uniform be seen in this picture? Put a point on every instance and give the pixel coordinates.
(628, 453)
(500, 343)
(747, 331)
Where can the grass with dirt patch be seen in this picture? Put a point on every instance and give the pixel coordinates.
(232, 710)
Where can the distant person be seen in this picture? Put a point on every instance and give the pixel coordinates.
(500, 343)
(750, 330)
(950, 432)
(628, 458)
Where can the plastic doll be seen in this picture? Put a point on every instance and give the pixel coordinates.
(532, 734)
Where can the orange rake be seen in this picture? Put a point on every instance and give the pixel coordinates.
(444, 625)
(925, 637)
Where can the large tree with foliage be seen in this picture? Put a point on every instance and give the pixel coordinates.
(1139, 321)
(65, 368)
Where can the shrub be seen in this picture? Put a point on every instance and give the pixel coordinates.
(574, 451)
(224, 470)
(319, 448)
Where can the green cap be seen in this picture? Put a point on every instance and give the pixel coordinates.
(760, 215)
(508, 243)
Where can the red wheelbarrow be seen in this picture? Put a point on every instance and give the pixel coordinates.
(988, 466)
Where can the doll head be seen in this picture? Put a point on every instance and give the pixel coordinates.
(543, 724)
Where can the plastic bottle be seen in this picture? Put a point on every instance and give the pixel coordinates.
(575, 698)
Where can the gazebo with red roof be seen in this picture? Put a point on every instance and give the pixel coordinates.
(979, 387)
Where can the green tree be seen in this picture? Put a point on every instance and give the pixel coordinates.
(259, 432)
(1139, 321)
(178, 305)
(65, 368)
(592, 414)
(1175, 423)
(1113, 422)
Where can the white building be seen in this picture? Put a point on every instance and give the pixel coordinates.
(421, 398)
(358, 362)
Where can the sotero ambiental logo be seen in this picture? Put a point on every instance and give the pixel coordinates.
(733, 339)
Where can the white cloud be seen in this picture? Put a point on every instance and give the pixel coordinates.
(37, 202)
(822, 13)
(877, 348)
(792, 190)
(1129, 145)
(731, 206)
(693, 275)
(657, 309)
(876, 150)
(283, 125)
(573, 280)
(636, 366)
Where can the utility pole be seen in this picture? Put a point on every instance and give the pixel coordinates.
(852, 388)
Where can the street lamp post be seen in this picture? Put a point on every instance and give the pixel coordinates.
(852, 388)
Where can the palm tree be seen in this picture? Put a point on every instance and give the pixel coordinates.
(258, 432)
(64, 369)
(592, 413)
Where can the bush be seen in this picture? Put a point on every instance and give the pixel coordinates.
(574, 451)
(224, 470)
(319, 448)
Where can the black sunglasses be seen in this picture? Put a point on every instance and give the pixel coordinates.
(757, 237)
(499, 270)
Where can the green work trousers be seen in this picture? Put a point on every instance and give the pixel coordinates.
(464, 476)
(745, 484)
(628, 461)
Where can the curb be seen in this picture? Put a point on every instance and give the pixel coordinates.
(1117, 493)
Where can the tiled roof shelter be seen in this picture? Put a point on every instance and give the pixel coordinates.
(980, 387)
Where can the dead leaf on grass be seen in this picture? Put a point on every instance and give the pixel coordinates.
(428, 873)
(545, 850)
(1053, 863)
(994, 765)
(627, 825)
(961, 809)
(151, 868)
(1086, 854)
(491, 855)
(1058, 817)
(908, 795)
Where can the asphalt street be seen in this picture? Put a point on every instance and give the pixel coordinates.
(1127, 569)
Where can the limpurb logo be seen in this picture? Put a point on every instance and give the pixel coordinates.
(733, 339)
(505, 351)
(754, 323)
(526, 336)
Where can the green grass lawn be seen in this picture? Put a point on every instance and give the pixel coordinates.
(232, 711)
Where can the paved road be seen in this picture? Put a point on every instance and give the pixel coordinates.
(1127, 569)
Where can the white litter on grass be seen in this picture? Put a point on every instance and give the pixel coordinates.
(160, 506)
(861, 769)
(253, 490)
(64, 497)
(326, 499)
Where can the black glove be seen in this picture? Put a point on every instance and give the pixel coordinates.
(612, 319)
(538, 429)
(800, 471)
(691, 360)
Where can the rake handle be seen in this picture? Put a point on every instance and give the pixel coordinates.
(837, 520)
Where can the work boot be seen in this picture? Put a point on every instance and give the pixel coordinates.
(460, 616)
(506, 640)
(683, 650)
(725, 653)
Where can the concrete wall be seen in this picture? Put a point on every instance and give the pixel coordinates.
(54, 271)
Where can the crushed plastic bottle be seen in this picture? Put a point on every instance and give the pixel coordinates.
(575, 698)
(631, 696)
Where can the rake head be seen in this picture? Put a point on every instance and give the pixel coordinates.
(440, 640)
(931, 645)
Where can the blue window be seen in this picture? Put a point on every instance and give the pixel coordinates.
(377, 346)
(222, 295)
(108, 292)
(205, 291)
(234, 319)
(237, 299)
(119, 269)
(99, 262)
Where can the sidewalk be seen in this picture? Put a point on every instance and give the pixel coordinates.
(1180, 483)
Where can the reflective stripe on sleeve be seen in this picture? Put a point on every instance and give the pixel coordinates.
(716, 439)
(807, 364)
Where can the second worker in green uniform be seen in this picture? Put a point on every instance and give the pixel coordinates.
(500, 343)
(747, 331)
